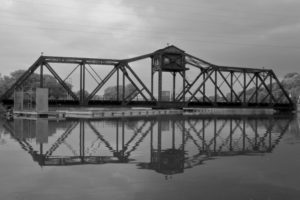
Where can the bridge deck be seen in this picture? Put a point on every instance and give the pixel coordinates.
(169, 104)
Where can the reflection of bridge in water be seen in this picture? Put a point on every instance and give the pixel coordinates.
(174, 144)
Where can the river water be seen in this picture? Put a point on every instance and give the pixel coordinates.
(175, 157)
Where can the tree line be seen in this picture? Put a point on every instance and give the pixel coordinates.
(56, 90)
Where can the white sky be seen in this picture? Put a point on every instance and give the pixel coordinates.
(256, 33)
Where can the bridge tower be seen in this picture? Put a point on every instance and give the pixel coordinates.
(171, 60)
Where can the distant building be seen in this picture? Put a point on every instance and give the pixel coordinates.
(165, 95)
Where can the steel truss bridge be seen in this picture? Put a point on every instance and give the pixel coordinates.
(191, 140)
(232, 87)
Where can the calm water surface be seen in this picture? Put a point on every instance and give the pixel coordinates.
(151, 158)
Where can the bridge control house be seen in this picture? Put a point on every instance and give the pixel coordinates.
(170, 59)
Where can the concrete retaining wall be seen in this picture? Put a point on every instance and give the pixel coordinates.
(115, 113)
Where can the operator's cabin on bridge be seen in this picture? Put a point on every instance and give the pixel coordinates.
(169, 59)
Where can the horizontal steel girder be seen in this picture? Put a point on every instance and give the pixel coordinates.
(74, 60)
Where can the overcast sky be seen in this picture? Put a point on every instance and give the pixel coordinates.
(256, 33)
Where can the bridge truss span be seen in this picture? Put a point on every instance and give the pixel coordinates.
(192, 82)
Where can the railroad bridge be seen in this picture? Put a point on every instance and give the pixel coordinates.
(194, 83)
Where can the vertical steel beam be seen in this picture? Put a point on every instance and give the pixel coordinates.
(244, 134)
(230, 136)
(256, 88)
(123, 88)
(152, 77)
(83, 84)
(271, 88)
(41, 148)
(244, 87)
(231, 87)
(123, 137)
(151, 143)
(215, 135)
(118, 84)
(183, 86)
(117, 136)
(270, 141)
(203, 135)
(81, 140)
(183, 134)
(204, 90)
(41, 76)
(216, 86)
(174, 85)
(80, 84)
(159, 85)
(256, 135)
(153, 70)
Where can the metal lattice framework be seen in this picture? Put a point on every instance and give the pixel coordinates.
(197, 140)
(233, 87)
